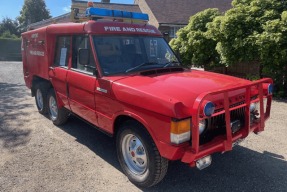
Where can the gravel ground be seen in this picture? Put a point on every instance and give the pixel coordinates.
(35, 155)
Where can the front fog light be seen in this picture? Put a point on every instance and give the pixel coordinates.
(201, 126)
(208, 109)
(270, 88)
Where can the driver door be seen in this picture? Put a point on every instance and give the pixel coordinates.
(81, 81)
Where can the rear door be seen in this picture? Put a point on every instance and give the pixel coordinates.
(58, 70)
(81, 81)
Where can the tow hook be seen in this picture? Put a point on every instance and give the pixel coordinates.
(203, 162)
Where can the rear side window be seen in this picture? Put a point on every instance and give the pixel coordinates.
(62, 51)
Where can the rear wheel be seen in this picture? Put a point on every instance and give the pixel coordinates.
(41, 98)
(138, 155)
(58, 115)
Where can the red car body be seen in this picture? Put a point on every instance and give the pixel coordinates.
(154, 97)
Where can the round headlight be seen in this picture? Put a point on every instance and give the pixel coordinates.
(201, 126)
(208, 109)
(270, 88)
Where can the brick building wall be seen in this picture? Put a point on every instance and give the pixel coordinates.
(145, 9)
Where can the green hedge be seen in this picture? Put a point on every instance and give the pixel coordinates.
(10, 49)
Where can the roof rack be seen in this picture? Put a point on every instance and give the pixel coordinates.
(93, 13)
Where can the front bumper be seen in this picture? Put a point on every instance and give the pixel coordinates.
(223, 143)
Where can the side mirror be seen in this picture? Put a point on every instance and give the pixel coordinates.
(84, 56)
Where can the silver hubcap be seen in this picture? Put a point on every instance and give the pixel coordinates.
(134, 154)
(39, 98)
(53, 108)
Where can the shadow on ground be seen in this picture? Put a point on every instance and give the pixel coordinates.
(98, 142)
(12, 115)
(240, 170)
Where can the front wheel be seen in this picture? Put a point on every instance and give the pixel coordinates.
(58, 115)
(138, 155)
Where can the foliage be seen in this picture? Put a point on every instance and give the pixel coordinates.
(255, 30)
(272, 44)
(233, 32)
(193, 44)
(8, 35)
(237, 31)
(9, 28)
(252, 30)
(33, 11)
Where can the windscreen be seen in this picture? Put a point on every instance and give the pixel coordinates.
(125, 54)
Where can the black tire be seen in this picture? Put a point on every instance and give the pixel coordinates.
(41, 98)
(156, 165)
(59, 116)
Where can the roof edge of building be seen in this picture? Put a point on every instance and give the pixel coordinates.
(48, 20)
(76, 1)
(173, 24)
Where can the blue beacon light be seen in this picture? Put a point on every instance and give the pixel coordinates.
(99, 12)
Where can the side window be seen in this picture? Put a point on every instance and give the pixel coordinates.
(83, 42)
(62, 51)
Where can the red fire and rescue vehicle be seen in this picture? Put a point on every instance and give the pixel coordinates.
(122, 77)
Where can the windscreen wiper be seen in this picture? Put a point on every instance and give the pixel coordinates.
(171, 63)
(140, 65)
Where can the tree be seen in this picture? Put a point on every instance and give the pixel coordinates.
(33, 11)
(8, 35)
(237, 31)
(9, 28)
(192, 42)
(252, 31)
(272, 44)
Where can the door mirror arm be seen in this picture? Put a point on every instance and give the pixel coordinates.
(95, 72)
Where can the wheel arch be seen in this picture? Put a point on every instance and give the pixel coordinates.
(158, 164)
(126, 116)
(48, 85)
(37, 80)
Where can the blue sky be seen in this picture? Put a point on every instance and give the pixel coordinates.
(12, 8)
